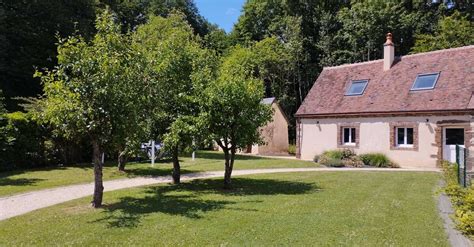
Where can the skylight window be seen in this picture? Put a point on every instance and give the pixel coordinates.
(357, 87)
(425, 81)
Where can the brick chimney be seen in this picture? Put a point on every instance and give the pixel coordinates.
(388, 53)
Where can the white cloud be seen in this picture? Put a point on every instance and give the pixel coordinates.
(231, 11)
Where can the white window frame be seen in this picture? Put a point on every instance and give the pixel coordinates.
(350, 143)
(425, 88)
(365, 81)
(405, 137)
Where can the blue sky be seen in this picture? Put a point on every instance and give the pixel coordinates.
(224, 13)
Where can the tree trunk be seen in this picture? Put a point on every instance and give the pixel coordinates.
(229, 165)
(98, 185)
(122, 160)
(176, 167)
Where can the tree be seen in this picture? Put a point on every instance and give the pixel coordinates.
(451, 31)
(2, 104)
(217, 40)
(162, 8)
(179, 69)
(232, 109)
(95, 91)
(27, 40)
(358, 32)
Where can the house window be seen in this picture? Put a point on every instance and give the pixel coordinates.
(425, 81)
(404, 137)
(357, 87)
(349, 136)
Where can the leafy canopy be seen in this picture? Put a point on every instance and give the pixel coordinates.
(179, 69)
(451, 31)
(96, 88)
(233, 110)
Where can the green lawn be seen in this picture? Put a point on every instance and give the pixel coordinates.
(311, 208)
(29, 180)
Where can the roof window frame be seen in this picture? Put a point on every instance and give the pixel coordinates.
(425, 88)
(356, 81)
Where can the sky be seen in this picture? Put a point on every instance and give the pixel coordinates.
(224, 13)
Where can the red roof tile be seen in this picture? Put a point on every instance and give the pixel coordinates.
(389, 91)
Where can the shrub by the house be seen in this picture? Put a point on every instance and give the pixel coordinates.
(292, 149)
(339, 158)
(347, 158)
(377, 160)
(462, 199)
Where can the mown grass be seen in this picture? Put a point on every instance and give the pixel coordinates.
(302, 209)
(30, 180)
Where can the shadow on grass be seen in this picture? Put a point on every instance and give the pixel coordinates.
(220, 156)
(154, 171)
(187, 199)
(18, 181)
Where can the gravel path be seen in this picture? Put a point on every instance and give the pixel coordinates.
(23, 203)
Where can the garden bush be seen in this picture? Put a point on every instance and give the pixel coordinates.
(337, 158)
(377, 160)
(25, 143)
(348, 158)
(316, 158)
(353, 161)
(328, 161)
(292, 149)
(21, 142)
(462, 199)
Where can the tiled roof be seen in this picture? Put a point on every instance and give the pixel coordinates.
(389, 91)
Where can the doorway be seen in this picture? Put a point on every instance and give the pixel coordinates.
(451, 138)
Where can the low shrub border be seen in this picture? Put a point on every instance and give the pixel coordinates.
(347, 158)
(377, 160)
(462, 199)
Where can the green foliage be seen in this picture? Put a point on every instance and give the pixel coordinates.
(376, 160)
(329, 161)
(316, 158)
(338, 158)
(232, 109)
(353, 161)
(333, 154)
(2, 104)
(178, 69)
(24, 47)
(360, 31)
(339, 153)
(28, 32)
(292, 149)
(96, 90)
(162, 8)
(451, 31)
(217, 40)
(462, 198)
(347, 157)
(23, 142)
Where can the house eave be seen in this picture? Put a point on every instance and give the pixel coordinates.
(387, 114)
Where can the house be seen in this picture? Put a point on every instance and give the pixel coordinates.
(274, 134)
(414, 108)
